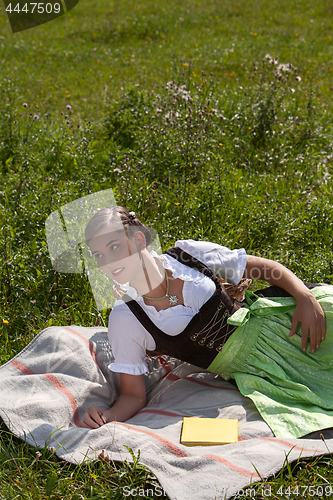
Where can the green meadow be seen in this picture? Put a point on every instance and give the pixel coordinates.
(212, 120)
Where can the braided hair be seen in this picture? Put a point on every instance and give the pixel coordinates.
(120, 217)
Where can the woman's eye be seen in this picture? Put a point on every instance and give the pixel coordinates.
(114, 247)
(98, 256)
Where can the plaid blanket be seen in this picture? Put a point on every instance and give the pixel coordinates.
(48, 386)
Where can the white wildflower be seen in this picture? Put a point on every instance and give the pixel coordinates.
(169, 85)
(183, 93)
(283, 67)
(170, 115)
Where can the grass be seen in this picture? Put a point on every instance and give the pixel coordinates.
(111, 44)
(241, 155)
(299, 479)
(38, 474)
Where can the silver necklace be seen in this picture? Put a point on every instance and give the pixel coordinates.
(173, 299)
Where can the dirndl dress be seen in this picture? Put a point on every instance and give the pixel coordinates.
(292, 389)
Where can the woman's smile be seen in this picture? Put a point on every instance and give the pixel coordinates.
(117, 271)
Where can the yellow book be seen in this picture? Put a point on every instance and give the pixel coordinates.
(209, 431)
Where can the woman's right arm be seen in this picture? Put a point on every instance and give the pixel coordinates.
(131, 400)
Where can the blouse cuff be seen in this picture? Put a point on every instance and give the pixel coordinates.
(240, 268)
(138, 369)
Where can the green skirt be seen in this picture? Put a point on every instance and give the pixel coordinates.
(292, 389)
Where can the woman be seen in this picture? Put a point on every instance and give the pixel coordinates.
(175, 304)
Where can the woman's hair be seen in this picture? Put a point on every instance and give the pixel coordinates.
(119, 217)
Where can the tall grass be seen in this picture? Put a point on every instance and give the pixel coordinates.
(235, 166)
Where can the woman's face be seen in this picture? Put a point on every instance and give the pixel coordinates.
(116, 254)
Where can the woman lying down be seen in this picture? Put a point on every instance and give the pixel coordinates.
(277, 343)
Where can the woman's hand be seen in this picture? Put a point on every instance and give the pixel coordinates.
(309, 313)
(131, 400)
(94, 418)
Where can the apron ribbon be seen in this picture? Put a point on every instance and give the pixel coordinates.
(260, 307)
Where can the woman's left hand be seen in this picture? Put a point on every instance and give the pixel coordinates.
(309, 313)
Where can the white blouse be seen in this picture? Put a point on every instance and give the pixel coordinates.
(130, 340)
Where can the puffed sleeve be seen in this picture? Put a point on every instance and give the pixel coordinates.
(129, 341)
(225, 263)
